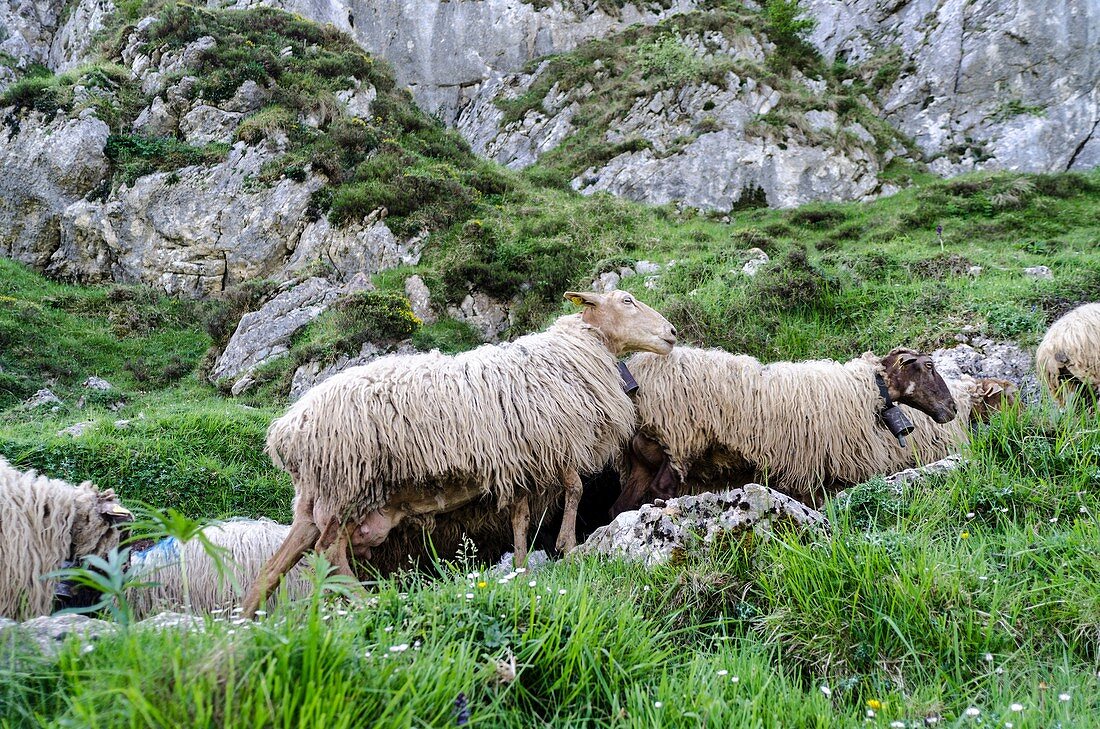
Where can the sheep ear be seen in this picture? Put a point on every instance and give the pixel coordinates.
(582, 298)
(992, 388)
(115, 513)
(907, 359)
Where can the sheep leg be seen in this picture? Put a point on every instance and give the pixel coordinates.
(567, 536)
(303, 534)
(521, 516)
(337, 554)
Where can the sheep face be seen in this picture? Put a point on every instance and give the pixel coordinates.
(627, 325)
(912, 380)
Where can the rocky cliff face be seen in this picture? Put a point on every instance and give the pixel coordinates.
(192, 230)
(446, 50)
(53, 33)
(688, 113)
(980, 84)
(659, 102)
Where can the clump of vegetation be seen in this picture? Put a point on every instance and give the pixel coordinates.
(134, 155)
(105, 87)
(366, 316)
(792, 284)
(788, 25)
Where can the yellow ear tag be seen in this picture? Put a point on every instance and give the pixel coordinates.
(577, 300)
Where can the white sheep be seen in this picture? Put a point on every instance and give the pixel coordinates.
(242, 548)
(1068, 358)
(802, 425)
(46, 523)
(415, 435)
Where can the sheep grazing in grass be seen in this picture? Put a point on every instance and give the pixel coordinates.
(804, 426)
(45, 524)
(419, 435)
(1068, 358)
(213, 581)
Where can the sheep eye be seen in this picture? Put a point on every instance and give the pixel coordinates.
(927, 365)
(628, 300)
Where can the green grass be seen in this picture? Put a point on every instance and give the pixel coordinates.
(979, 589)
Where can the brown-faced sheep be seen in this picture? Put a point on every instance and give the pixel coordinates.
(1068, 358)
(806, 426)
(47, 523)
(412, 436)
(242, 547)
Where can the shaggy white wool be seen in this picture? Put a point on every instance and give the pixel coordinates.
(44, 522)
(804, 424)
(1072, 346)
(248, 544)
(506, 419)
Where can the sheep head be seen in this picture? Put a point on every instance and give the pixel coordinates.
(626, 324)
(912, 380)
(96, 529)
(991, 395)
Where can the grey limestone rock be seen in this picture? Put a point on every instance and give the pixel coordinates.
(50, 632)
(984, 84)
(1039, 272)
(656, 531)
(420, 299)
(96, 383)
(40, 398)
(444, 50)
(314, 373)
(489, 316)
(264, 335)
(982, 357)
(48, 164)
(916, 475)
(204, 124)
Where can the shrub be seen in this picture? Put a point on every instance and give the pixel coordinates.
(366, 316)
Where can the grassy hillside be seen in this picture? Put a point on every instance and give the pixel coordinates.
(976, 591)
(844, 279)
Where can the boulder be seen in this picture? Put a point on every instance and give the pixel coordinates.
(488, 316)
(420, 299)
(48, 165)
(50, 632)
(264, 335)
(314, 373)
(982, 357)
(40, 398)
(657, 531)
